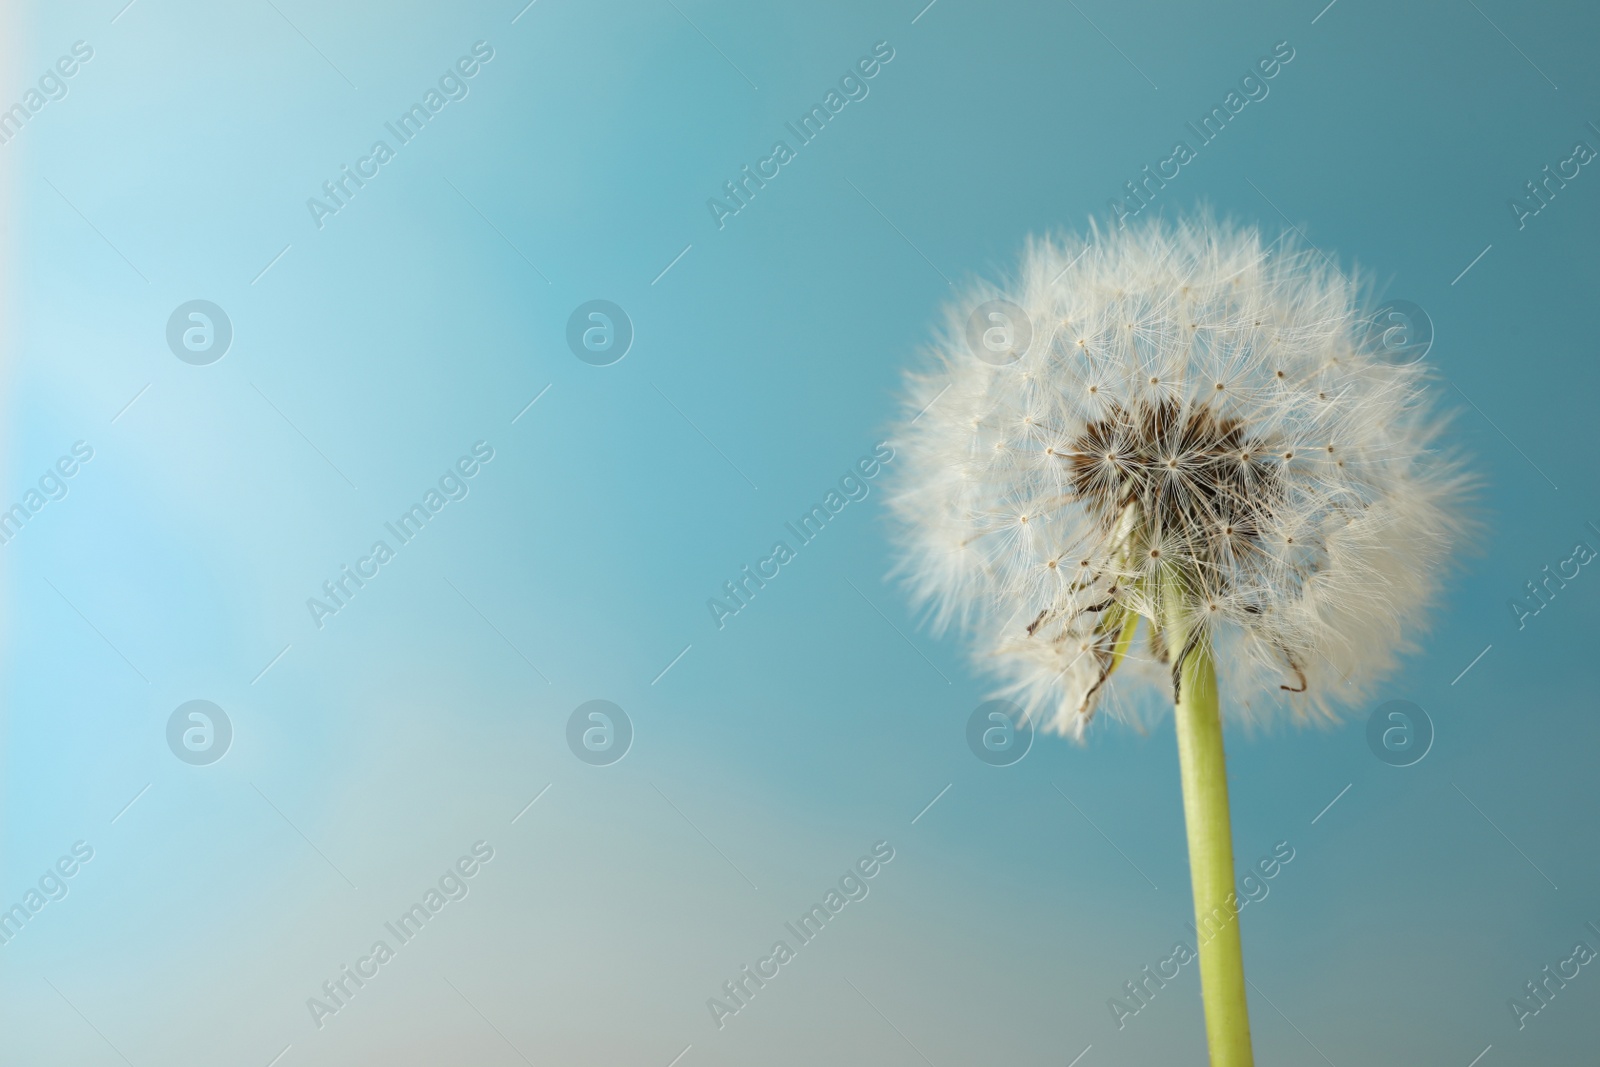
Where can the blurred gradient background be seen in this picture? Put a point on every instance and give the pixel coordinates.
(367, 355)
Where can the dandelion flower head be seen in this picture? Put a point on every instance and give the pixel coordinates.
(1174, 428)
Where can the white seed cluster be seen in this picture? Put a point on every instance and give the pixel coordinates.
(1201, 437)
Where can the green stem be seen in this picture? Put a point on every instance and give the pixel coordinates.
(1205, 812)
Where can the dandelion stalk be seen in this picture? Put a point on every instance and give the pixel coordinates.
(1205, 815)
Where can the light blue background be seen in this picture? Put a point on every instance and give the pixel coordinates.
(775, 751)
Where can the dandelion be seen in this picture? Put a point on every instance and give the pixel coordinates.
(1179, 429)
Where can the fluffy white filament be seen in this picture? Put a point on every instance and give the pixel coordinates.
(1196, 411)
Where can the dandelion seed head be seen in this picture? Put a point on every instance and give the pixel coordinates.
(1215, 421)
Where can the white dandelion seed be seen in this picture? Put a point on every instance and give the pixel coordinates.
(1193, 411)
(1196, 436)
